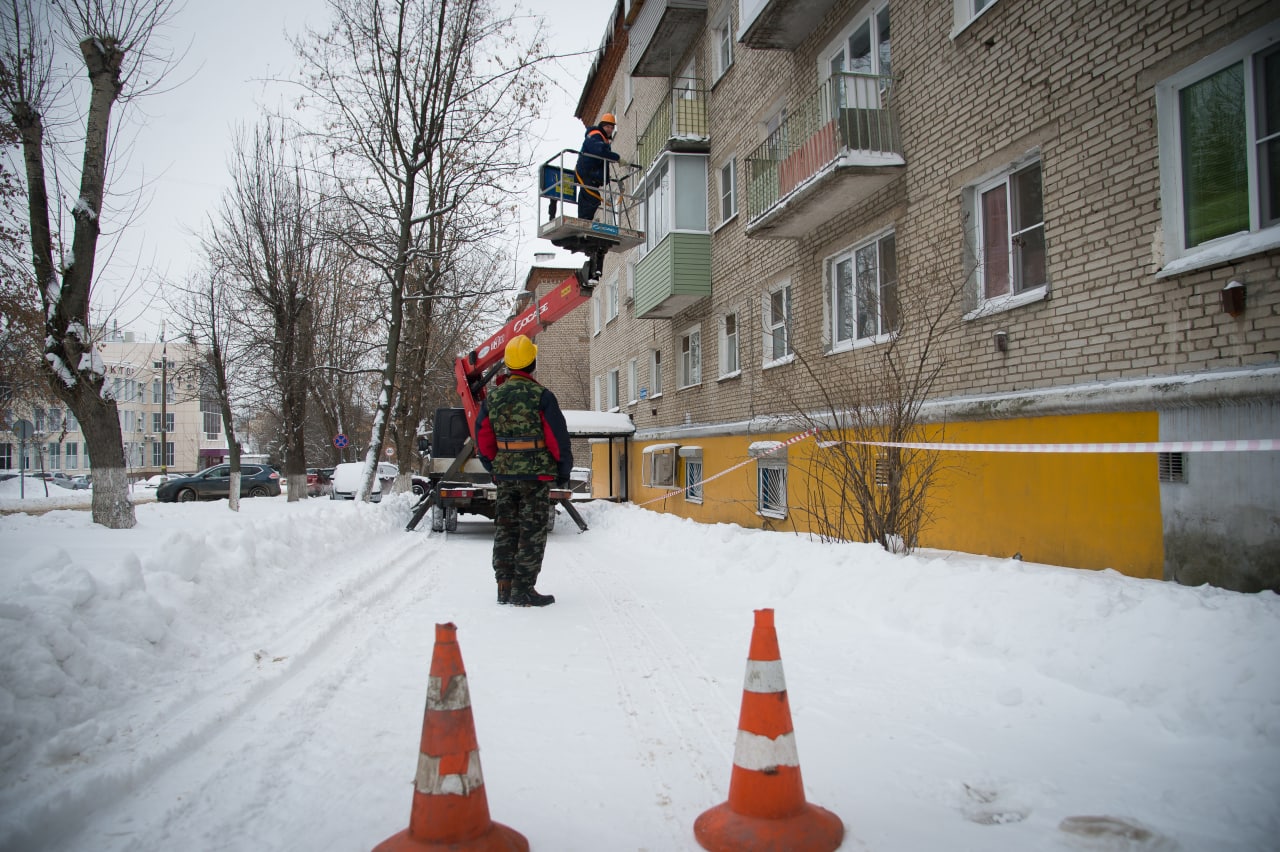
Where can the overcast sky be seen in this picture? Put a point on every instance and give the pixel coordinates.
(181, 138)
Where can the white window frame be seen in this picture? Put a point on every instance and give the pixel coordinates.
(596, 324)
(611, 388)
(834, 58)
(659, 466)
(1260, 235)
(729, 349)
(633, 381)
(727, 191)
(771, 485)
(693, 476)
(611, 298)
(72, 455)
(771, 325)
(965, 12)
(660, 191)
(722, 46)
(1019, 293)
(655, 373)
(689, 369)
(832, 267)
(629, 281)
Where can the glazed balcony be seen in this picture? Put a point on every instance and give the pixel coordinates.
(779, 24)
(835, 150)
(662, 34)
(679, 124)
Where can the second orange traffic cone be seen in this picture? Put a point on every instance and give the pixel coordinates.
(766, 810)
(450, 811)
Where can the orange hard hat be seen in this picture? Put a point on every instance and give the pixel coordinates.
(608, 118)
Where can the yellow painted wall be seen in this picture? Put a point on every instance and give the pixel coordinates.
(1084, 510)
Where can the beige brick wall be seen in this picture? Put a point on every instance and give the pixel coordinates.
(1075, 80)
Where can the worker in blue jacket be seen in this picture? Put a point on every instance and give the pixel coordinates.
(592, 170)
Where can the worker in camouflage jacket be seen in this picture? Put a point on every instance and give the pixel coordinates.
(523, 441)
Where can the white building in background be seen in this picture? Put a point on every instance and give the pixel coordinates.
(165, 420)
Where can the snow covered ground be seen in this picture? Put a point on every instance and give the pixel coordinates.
(221, 681)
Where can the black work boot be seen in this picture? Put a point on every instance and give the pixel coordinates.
(530, 597)
(504, 591)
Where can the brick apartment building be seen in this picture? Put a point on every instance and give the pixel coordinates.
(1075, 192)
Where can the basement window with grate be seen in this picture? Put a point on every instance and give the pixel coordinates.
(1173, 467)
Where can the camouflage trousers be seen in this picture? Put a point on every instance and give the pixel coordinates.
(523, 507)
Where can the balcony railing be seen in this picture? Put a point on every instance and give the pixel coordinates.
(679, 124)
(849, 121)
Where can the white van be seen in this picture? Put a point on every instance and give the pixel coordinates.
(346, 479)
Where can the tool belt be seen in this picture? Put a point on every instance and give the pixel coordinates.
(519, 444)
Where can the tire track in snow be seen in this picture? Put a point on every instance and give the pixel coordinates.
(674, 707)
(299, 670)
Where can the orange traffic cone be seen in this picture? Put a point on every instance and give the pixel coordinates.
(450, 811)
(766, 811)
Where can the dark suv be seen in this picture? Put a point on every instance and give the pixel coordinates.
(256, 480)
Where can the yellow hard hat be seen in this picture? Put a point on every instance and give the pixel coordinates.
(608, 118)
(520, 352)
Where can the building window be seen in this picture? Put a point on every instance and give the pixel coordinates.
(690, 358)
(967, 11)
(723, 35)
(73, 425)
(771, 485)
(777, 325)
(678, 204)
(728, 191)
(863, 48)
(73, 456)
(1219, 129)
(596, 323)
(611, 388)
(659, 469)
(155, 421)
(633, 381)
(37, 415)
(155, 389)
(863, 292)
(167, 460)
(6, 456)
(212, 417)
(655, 373)
(611, 298)
(729, 365)
(692, 473)
(1009, 213)
(55, 456)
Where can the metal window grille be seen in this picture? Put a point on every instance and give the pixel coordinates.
(693, 480)
(1173, 467)
(772, 491)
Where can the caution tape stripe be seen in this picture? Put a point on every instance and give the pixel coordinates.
(1238, 446)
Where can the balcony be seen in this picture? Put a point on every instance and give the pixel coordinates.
(779, 24)
(662, 34)
(837, 148)
(679, 124)
(674, 275)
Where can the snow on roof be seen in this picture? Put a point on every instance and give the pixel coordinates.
(598, 423)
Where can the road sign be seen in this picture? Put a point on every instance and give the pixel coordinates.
(23, 429)
(390, 451)
(340, 441)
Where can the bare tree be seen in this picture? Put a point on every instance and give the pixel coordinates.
(428, 104)
(269, 239)
(860, 490)
(114, 39)
(206, 305)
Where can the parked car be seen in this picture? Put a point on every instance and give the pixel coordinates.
(256, 480)
(84, 480)
(319, 481)
(346, 479)
(65, 480)
(387, 473)
(157, 480)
